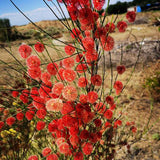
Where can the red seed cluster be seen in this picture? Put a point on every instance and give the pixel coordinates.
(68, 98)
(131, 16)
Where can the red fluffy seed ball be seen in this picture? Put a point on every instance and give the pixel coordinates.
(20, 116)
(1, 124)
(82, 82)
(87, 33)
(73, 131)
(57, 88)
(100, 31)
(33, 61)
(60, 74)
(67, 108)
(84, 135)
(34, 92)
(52, 127)
(83, 98)
(84, 3)
(93, 137)
(68, 121)
(29, 115)
(98, 4)
(73, 12)
(131, 16)
(33, 157)
(133, 129)
(87, 149)
(68, 62)
(91, 56)
(95, 16)
(96, 80)
(60, 125)
(85, 17)
(25, 51)
(44, 90)
(110, 100)
(92, 97)
(55, 105)
(15, 94)
(59, 141)
(110, 27)
(41, 113)
(34, 72)
(69, 93)
(52, 157)
(118, 85)
(40, 125)
(39, 102)
(23, 98)
(52, 68)
(88, 43)
(46, 151)
(45, 77)
(107, 42)
(122, 26)
(10, 121)
(39, 47)
(74, 140)
(64, 148)
(97, 122)
(69, 49)
(69, 75)
(121, 69)
(78, 156)
(108, 114)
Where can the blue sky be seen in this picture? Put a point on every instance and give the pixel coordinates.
(35, 9)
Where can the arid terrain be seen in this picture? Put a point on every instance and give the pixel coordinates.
(143, 36)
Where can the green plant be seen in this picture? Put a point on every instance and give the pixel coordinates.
(156, 136)
(153, 85)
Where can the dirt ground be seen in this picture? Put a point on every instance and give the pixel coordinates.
(135, 96)
(138, 101)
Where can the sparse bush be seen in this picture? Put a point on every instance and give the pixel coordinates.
(153, 85)
(156, 136)
(72, 99)
(5, 30)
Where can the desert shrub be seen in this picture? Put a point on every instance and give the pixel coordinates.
(153, 85)
(71, 101)
(5, 30)
(118, 8)
(156, 136)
